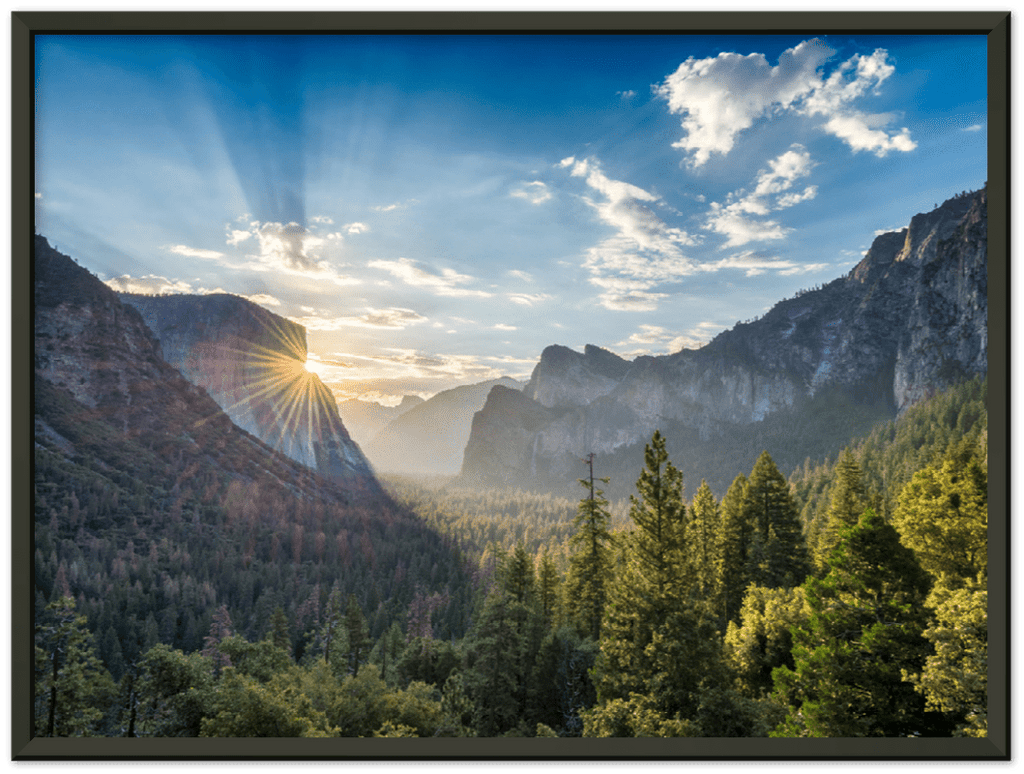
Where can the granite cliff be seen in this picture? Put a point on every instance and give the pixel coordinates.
(252, 363)
(909, 319)
(104, 396)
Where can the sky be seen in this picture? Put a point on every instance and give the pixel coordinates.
(436, 210)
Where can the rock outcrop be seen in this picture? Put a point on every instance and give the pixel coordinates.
(98, 366)
(252, 363)
(911, 318)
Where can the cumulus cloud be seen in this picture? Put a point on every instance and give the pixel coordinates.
(535, 192)
(628, 94)
(236, 237)
(720, 97)
(448, 283)
(393, 319)
(356, 228)
(264, 299)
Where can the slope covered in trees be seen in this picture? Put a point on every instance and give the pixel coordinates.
(684, 615)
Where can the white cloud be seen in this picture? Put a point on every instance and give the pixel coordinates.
(644, 251)
(447, 283)
(720, 97)
(193, 252)
(394, 206)
(356, 228)
(325, 219)
(972, 128)
(236, 237)
(654, 339)
(40, 196)
(504, 327)
(150, 285)
(525, 276)
(535, 192)
(528, 299)
(628, 94)
(393, 319)
(263, 299)
(771, 192)
(753, 264)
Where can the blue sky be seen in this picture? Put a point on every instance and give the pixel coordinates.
(438, 209)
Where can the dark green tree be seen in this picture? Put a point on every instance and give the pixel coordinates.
(704, 544)
(590, 559)
(73, 691)
(777, 556)
(358, 635)
(865, 631)
(735, 542)
(847, 504)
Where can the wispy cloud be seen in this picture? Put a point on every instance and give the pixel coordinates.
(150, 285)
(772, 191)
(655, 339)
(194, 252)
(448, 283)
(528, 299)
(972, 128)
(394, 206)
(393, 319)
(755, 263)
(534, 192)
(517, 274)
(720, 97)
(643, 253)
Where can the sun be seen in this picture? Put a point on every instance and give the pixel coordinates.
(314, 366)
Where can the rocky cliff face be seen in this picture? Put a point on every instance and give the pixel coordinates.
(97, 364)
(252, 362)
(909, 319)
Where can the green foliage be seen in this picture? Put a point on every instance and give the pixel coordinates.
(243, 707)
(176, 690)
(777, 556)
(590, 560)
(259, 660)
(848, 501)
(942, 514)
(864, 632)
(762, 639)
(954, 679)
(72, 689)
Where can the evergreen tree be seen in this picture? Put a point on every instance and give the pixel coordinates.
(781, 558)
(548, 588)
(658, 541)
(704, 544)
(656, 642)
(735, 542)
(867, 618)
(847, 504)
(358, 635)
(72, 689)
(279, 634)
(220, 630)
(589, 563)
(942, 514)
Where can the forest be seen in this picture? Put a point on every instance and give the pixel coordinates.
(847, 600)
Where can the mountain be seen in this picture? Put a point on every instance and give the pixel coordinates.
(908, 320)
(364, 419)
(252, 363)
(152, 509)
(430, 438)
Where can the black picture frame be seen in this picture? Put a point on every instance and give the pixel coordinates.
(26, 25)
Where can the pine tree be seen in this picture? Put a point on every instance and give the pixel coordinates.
(279, 630)
(72, 689)
(847, 504)
(358, 635)
(659, 515)
(704, 544)
(736, 536)
(589, 563)
(220, 630)
(548, 587)
(769, 509)
(942, 514)
(655, 642)
(867, 618)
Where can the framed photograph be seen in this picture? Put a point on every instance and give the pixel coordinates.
(550, 386)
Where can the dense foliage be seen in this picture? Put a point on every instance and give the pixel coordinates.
(848, 601)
